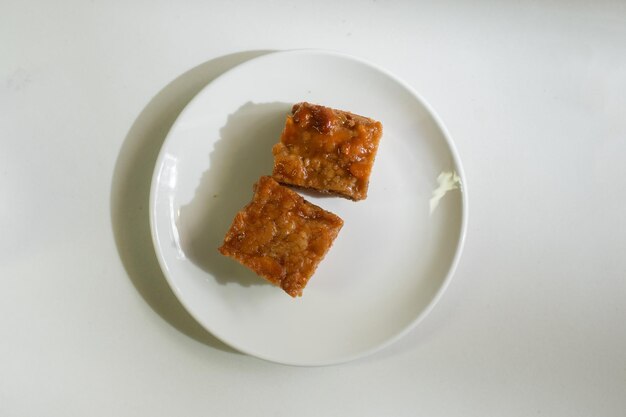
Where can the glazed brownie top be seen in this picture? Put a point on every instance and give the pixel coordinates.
(281, 236)
(328, 150)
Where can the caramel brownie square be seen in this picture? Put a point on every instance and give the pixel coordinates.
(328, 150)
(281, 236)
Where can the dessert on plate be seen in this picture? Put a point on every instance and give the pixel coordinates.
(327, 150)
(281, 236)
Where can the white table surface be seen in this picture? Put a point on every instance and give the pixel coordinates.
(533, 322)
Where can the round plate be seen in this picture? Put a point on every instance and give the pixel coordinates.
(392, 259)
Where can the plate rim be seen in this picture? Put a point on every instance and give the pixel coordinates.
(457, 166)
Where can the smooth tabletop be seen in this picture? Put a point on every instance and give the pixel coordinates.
(533, 96)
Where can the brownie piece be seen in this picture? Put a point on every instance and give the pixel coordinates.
(327, 150)
(281, 236)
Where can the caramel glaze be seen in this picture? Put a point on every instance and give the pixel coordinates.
(328, 150)
(281, 236)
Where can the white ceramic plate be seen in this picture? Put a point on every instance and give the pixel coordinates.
(393, 257)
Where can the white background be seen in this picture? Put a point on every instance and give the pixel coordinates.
(534, 96)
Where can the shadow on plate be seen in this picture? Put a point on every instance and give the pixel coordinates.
(242, 154)
(130, 190)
